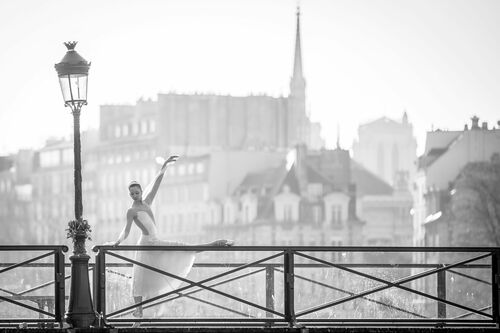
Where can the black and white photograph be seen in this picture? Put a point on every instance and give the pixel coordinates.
(250, 165)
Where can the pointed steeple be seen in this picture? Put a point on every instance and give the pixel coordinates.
(297, 64)
(297, 82)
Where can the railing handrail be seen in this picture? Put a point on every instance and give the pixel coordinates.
(63, 248)
(96, 248)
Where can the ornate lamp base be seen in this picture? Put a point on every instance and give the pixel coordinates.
(80, 310)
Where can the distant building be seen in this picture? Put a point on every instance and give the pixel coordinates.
(387, 147)
(446, 153)
(53, 191)
(16, 211)
(315, 198)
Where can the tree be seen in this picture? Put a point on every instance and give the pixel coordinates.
(475, 204)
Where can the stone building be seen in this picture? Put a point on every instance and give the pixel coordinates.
(446, 153)
(387, 148)
(314, 198)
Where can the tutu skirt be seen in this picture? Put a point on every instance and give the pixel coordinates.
(148, 283)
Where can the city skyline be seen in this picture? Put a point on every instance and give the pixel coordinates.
(362, 60)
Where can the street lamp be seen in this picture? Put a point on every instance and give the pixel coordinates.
(73, 72)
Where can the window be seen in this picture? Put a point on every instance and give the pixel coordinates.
(182, 170)
(144, 127)
(246, 214)
(118, 131)
(316, 215)
(336, 215)
(125, 130)
(135, 128)
(200, 167)
(287, 212)
(152, 126)
(67, 156)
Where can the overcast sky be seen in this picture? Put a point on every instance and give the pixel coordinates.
(363, 59)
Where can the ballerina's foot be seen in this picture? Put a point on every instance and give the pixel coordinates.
(224, 242)
(136, 324)
(137, 313)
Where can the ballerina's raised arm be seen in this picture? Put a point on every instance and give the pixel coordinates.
(151, 190)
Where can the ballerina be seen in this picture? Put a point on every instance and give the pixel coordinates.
(146, 283)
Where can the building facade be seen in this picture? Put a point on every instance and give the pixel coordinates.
(387, 147)
(446, 153)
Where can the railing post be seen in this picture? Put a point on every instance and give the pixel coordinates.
(441, 293)
(495, 297)
(100, 283)
(289, 287)
(59, 287)
(269, 290)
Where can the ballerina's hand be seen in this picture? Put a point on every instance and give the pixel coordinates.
(171, 160)
(111, 243)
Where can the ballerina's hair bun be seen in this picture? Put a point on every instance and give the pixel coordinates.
(134, 183)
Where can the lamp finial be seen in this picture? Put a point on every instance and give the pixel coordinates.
(70, 45)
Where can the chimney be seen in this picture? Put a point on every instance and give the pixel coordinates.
(301, 166)
(351, 210)
(484, 125)
(475, 123)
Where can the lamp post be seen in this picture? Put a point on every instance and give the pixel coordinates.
(73, 72)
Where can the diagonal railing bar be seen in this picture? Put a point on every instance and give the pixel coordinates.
(469, 276)
(27, 261)
(27, 306)
(392, 284)
(180, 295)
(351, 293)
(9, 292)
(41, 286)
(470, 313)
(241, 267)
(389, 284)
(192, 283)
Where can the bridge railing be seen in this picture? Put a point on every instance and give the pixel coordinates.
(32, 284)
(308, 285)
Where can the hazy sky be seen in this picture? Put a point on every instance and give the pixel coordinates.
(363, 59)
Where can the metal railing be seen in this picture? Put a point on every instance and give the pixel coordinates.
(49, 308)
(282, 295)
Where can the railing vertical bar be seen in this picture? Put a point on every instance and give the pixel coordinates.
(495, 297)
(100, 283)
(441, 293)
(289, 288)
(269, 290)
(59, 286)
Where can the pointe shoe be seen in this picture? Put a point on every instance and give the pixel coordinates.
(224, 242)
(137, 313)
(136, 325)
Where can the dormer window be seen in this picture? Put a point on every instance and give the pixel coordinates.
(336, 217)
(287, 212)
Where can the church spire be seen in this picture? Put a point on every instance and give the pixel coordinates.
(297, 82)
(297, 64)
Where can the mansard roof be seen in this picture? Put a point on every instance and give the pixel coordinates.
(273, 179)
(367, 183)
